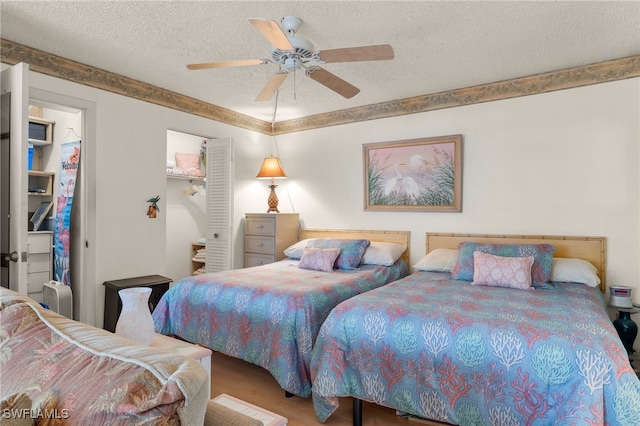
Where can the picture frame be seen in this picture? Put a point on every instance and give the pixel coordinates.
(39, 215)
(423, 174)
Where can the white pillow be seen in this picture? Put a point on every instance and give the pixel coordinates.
(380, 253)
(294, 251)
(438, 260)
(575, 271)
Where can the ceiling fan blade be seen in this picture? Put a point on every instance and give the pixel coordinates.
(228, 64)
(272, 32)
(272, 86)
(380, 52)
(333, 82)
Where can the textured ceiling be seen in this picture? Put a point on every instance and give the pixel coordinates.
(439, 45)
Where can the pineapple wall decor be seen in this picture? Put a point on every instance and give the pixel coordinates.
(153, 207)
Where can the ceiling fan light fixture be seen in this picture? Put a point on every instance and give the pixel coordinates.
(292, 63)
(292, 53)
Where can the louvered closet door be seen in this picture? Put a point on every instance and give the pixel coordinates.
(219, 204)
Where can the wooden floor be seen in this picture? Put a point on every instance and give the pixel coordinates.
(256, 385)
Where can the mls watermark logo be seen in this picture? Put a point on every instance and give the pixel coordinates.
(27, 413)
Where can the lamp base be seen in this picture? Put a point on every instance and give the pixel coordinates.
(273, 200)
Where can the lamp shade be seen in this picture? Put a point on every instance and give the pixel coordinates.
(271, 169)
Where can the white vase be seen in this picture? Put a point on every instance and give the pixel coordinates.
(135, 321)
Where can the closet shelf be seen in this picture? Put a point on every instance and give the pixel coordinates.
(40, 183)
(189, 178)
(197, 258)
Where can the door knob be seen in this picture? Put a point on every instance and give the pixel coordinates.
(13, 256)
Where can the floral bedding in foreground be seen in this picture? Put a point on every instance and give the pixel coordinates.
(75, 384)
(268, 315)
(474, 355)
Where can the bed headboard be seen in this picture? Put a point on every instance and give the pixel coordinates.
(398, 237)
(592, 249)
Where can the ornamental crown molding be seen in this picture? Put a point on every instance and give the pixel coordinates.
(67, 69)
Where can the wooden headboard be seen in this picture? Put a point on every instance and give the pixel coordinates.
(398, 237)
(592, 249)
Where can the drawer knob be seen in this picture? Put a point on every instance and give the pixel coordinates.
(260, 226)
(260, 245)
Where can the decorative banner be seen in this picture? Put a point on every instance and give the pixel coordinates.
(70, 160)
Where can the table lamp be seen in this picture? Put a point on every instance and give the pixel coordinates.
(271, 169)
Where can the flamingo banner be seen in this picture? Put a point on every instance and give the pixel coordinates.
(70, 161)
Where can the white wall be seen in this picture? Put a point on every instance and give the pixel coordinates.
(559, 163)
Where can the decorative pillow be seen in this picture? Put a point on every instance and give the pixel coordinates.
(540, 271)
(318, 259)
(499, 271)
(575, 271)
(438, 260)
(381, 253)
(190, 163)
(351, 251)
(294, 251)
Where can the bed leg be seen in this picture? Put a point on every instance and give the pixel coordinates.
(357, 412)
(288, 394)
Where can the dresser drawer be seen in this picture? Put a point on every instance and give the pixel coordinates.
(39, 243)
(39, 263)
(261, 245)
(36, 280)
(251, 259)
(261, 226)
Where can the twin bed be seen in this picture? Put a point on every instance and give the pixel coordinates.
(423, 344)
(446, 350)
(270, 315)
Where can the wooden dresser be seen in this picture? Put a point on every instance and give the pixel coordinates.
(39, 263)
(267, 235)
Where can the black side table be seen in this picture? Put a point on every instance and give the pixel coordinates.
(113, 305)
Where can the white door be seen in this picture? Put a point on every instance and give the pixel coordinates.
(218, 245)
(14, 88)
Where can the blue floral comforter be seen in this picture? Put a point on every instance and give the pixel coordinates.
(475, 355)
(268, 315)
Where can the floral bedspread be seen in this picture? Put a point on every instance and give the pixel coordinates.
(268, 315)
(475, 355)
(75, 374)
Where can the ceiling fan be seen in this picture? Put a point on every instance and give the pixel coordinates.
(294, 53)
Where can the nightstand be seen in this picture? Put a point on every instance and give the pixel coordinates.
(267, 235)
(113, 305)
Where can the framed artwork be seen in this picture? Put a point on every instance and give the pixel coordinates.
(414, 175)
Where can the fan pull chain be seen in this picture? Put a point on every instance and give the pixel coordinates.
(275, 109)
(295, 73)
